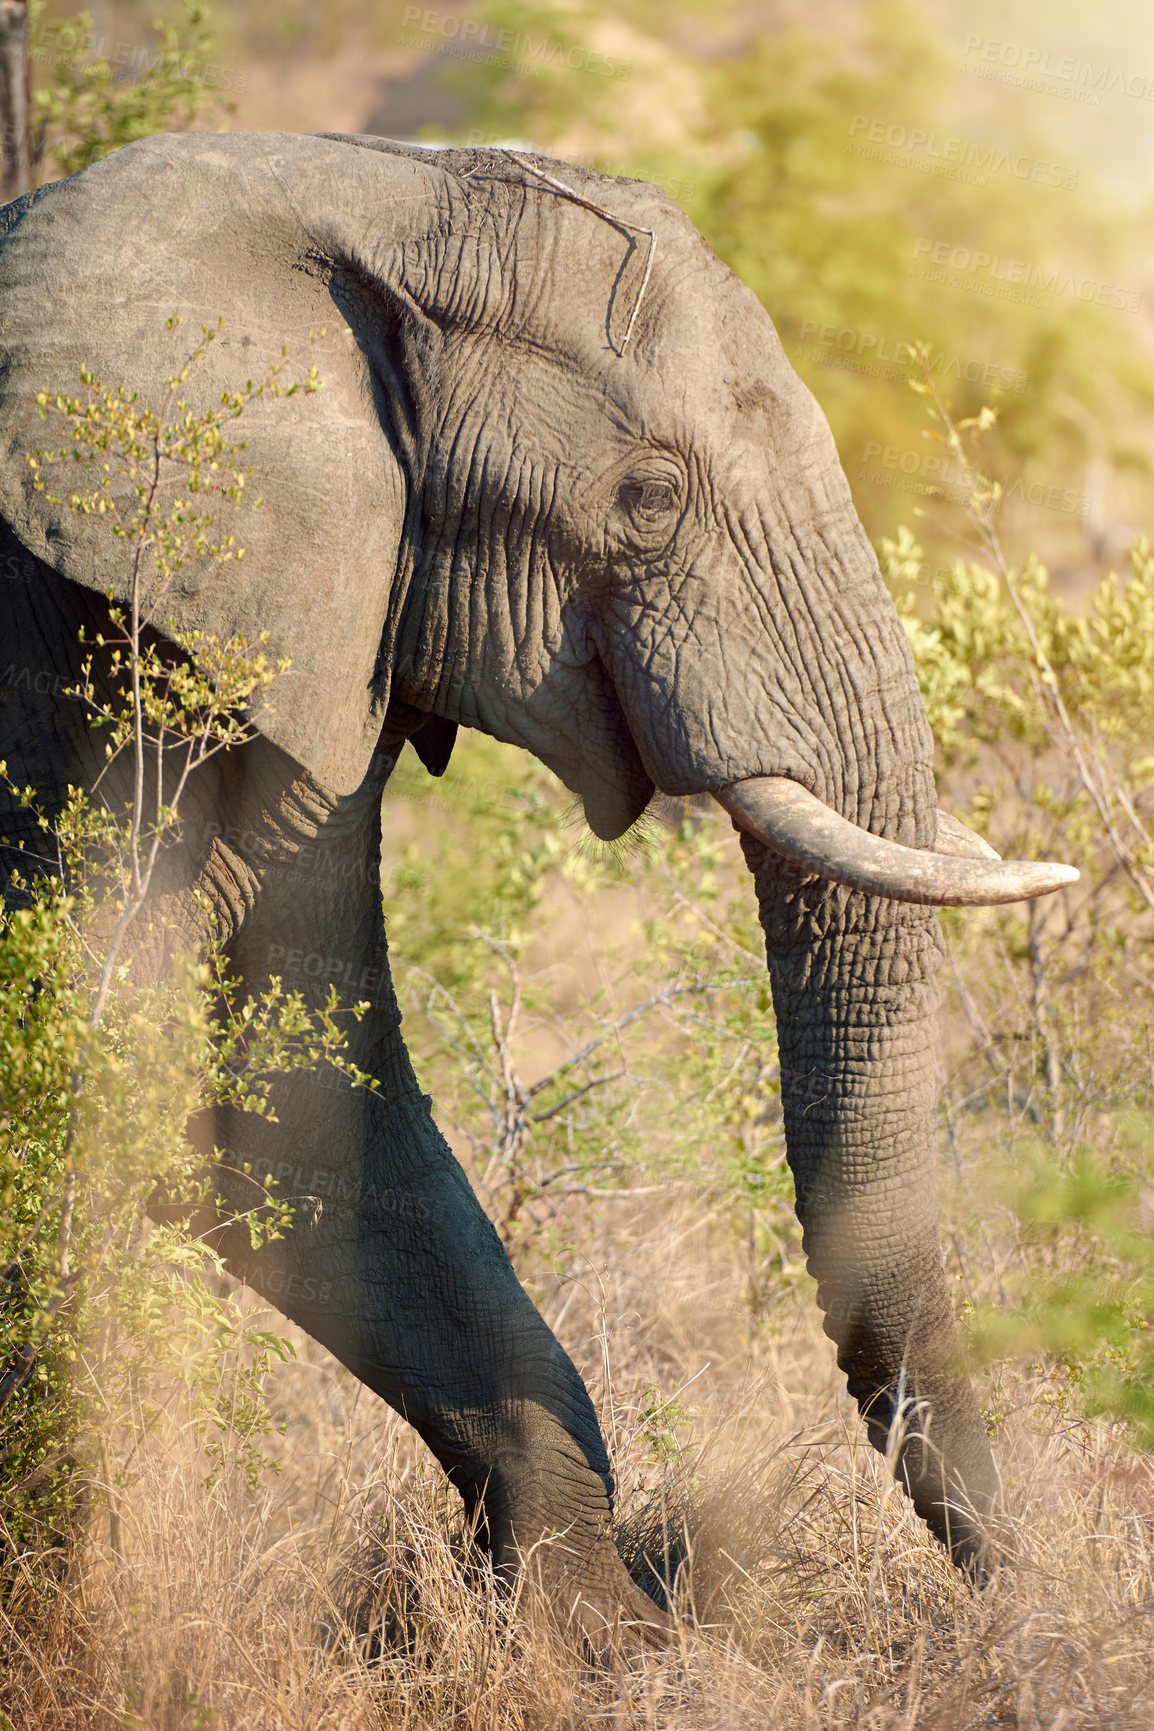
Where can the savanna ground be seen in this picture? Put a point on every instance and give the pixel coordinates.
(651, 1220)
(336, 1597)
(197, 1575)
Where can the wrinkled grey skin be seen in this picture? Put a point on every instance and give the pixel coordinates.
(631, 551)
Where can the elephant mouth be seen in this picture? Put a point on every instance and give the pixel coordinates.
(962, 872)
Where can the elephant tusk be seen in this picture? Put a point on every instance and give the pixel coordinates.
(795, 823)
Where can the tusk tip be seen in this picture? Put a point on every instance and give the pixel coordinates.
(1060, 875)
(998, 882)
(1012, 880)
(963, 872)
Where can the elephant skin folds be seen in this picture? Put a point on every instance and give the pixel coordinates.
(560, 484)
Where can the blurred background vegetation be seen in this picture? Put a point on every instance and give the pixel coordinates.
(911, 215)
(858, 168)
(595, 1027)
(907, 223)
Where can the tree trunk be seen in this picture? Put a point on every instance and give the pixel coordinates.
(15, 101)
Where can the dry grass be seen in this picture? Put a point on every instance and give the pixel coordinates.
(342, 1594)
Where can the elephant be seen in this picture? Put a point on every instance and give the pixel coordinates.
(561, 485)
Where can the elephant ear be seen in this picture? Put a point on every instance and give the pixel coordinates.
(302, 246)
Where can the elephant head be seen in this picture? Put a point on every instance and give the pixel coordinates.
(562, 485)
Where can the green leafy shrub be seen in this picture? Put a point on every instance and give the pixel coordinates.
(101, 1314)
(765, 139)
(1041, 710)
(86, 107)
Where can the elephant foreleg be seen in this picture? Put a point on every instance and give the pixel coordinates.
(393, 1265)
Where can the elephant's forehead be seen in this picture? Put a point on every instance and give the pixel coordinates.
(623, 293)
(711, 363)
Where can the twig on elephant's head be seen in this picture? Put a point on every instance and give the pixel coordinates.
(608, 216)
(617, 222)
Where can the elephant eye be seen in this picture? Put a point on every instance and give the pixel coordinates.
(650, 500)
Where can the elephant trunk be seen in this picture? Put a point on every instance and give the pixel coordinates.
(854, 994)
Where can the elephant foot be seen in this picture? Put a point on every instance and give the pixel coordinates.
(575, 1575)
(545, 1519)
(980, 1544)
(593, 1598)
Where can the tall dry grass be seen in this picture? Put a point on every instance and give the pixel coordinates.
(343, 1594)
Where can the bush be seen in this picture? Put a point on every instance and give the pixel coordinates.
(99, 1072)
(87, 106)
